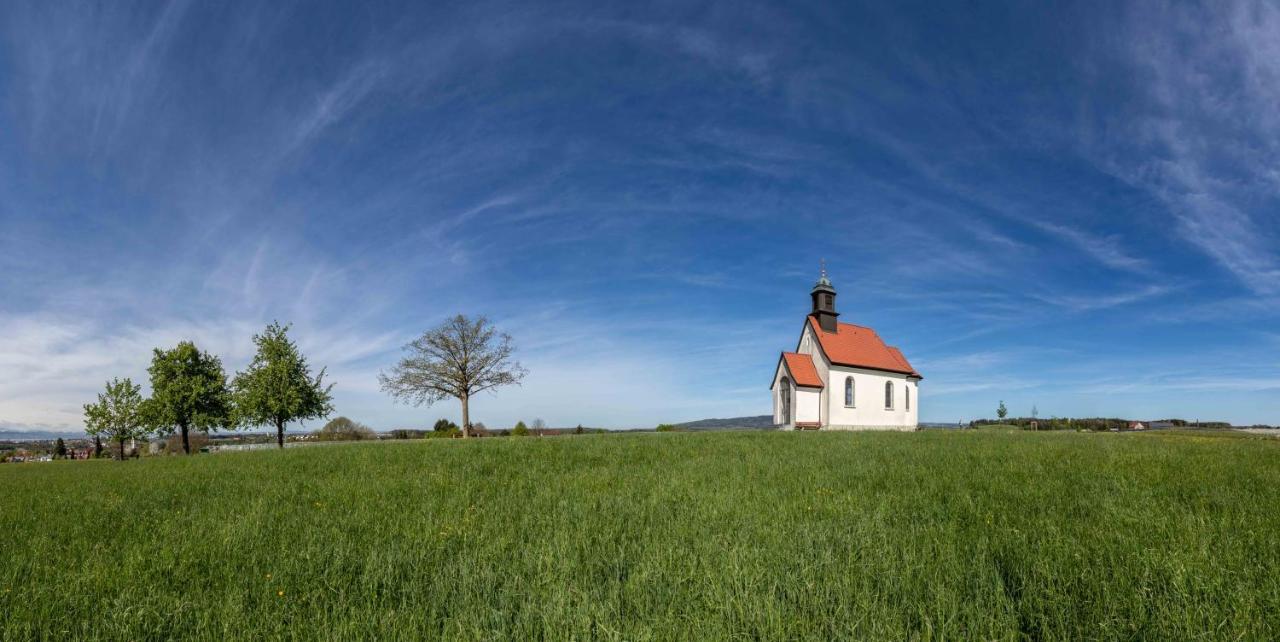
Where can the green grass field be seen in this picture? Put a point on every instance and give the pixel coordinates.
(938, 534)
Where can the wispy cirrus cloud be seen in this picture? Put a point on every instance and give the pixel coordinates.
(1098, 301)
(336, 102)
(1108, 250)
(1209, 136)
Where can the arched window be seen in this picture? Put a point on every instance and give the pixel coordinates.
(784, 390)
(888, 395)
(906, 390)
(848, 391)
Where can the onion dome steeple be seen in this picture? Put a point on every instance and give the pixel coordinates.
(824, 301)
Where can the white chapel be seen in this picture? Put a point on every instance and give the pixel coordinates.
(842, 376)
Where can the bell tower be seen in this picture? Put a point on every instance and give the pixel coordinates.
(824, 302)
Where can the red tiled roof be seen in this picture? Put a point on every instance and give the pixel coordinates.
(802, 369)
(860, 347)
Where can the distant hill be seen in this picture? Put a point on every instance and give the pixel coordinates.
(760, 421)
(38, 435)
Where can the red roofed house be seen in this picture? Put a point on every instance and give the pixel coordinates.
(842, 376)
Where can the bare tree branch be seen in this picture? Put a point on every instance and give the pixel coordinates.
(457, 359)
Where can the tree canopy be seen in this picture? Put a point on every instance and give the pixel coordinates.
(457, 359)
(344, 429)
(445, 428)
(277, 388)
(188, 392)
(118, 414)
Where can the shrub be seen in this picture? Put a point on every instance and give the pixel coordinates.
(343, 429)
(520, 430)
(666, 428)
(406, 433)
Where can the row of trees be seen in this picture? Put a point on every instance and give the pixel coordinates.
(1086, 423)
(458, 359)
(1092, 423)
(190, 392)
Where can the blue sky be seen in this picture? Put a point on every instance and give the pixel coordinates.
(1068, 208)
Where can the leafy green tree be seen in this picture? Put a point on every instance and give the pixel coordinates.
(60, 449)
(445, 426)
(458, 359)
(343, 429)
(520, 430)
(1001, 411)
(665, 428)
(118, 414)
(278, 389)
(579, 430)
(188, 392)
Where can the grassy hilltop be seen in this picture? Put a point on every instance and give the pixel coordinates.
(946, 534)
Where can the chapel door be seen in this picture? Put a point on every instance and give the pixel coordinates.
(785, 391)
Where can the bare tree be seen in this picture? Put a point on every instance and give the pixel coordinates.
(457, 359)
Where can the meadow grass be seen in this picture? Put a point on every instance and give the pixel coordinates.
(930, 535)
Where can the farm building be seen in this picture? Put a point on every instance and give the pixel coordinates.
(842, 376)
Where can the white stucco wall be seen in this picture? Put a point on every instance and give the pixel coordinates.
(809, 345)
(868, 411)
(808, 408)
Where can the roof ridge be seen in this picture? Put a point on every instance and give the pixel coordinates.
(860, 346)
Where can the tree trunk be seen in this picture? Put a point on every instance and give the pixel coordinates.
(186, 443)
(97, 447)
(121, 440)
(280, 434)
(466, 418)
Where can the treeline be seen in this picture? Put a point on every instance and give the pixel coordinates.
(1089, 423)
(447, 429)
(1094, 423)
